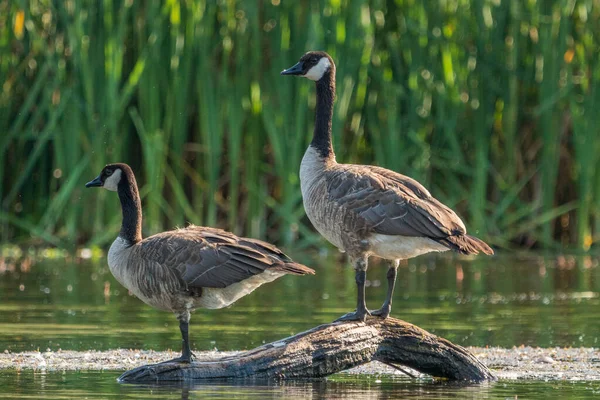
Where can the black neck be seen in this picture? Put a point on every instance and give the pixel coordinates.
(131, 206)
(324, 113)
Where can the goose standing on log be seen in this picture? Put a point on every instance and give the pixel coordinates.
(188, 268)
(366, 210)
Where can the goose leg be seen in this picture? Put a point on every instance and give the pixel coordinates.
(361, 313)
(186, 352)
(385, 309)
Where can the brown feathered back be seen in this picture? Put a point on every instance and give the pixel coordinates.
(212, 258)
(377, 200)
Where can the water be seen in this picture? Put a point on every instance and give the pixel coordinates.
(501, 301)
(102, 385)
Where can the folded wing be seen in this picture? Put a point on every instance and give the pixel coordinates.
(385, 202)
(213, 258)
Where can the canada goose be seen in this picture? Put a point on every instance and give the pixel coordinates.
(366, 210)
(188, 268)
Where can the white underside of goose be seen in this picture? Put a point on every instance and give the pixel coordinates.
(213, 298)
(401, 247)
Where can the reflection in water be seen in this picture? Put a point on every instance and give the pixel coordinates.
(96, 384)
(356, 387)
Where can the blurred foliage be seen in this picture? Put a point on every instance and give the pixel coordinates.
(492, 104)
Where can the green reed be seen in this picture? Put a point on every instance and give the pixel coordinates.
(491, 104)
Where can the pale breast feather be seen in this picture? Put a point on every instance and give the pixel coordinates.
(118, 256)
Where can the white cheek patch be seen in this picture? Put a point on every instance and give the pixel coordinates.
(112, 182)
(317, 72)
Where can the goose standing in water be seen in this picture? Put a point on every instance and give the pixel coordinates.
(366, 210)
(188, 268)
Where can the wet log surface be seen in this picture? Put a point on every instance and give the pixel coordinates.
(328, 349)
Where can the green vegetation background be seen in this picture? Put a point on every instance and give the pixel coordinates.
(494, 105)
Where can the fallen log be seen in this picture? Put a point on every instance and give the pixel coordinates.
(328, 349)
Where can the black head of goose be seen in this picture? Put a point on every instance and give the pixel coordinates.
(188, 268)
(366, 210)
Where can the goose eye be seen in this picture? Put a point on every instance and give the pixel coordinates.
(109, 172)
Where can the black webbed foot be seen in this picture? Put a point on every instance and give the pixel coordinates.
(358, 315)
(382, 312)
(183, 359)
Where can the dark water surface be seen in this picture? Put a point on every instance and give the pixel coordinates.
(102, 385)
(538, 300)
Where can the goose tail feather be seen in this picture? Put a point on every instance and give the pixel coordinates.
(466, 244)
(296, 269)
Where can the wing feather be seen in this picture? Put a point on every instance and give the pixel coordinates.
(212, 258)
(383, 201)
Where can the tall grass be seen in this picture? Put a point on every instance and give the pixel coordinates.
(491, 104)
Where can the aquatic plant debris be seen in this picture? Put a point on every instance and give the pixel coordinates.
(518, 363)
